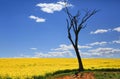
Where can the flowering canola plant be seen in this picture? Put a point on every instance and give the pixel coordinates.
(27, 67)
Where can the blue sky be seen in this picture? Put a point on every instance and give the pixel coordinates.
(37, 28)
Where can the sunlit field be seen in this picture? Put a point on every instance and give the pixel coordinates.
(27, 67)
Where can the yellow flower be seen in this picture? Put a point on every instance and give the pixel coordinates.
(28, 67)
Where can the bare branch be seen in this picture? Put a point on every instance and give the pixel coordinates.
(67, 24)
(70, 38)
(68, 13)
(75, 22)
(85, 18)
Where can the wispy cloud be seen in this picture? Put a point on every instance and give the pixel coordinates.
(84, 47)
(97, 43)
(99, 31)
(98, 52)
(87, 50)
(117, 29)
(116, 41)
(104, 51)
(101, 52)
(33, 48)
(54, 54)
(37, 19)
(63, 51)
(23, 56)
(64, 47)
(52, 7)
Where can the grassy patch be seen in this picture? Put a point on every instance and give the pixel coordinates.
(107, 75)
(56, 74)
(98, 73)
(6, 77)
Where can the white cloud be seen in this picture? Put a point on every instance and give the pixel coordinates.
(52, 7)
(64, 47)
(117, 29)
(83, 47)
(83, 54)
(37, 19)
(104, 51)
(116, 41)
(98, 52)
(33, 48)
(101, 52)
(23, 56)
(54, 54)
(39, 54)
(99, 31)
(97, 43)
(105, 30)
(63, 51)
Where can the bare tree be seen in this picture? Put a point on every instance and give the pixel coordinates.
(74, 25)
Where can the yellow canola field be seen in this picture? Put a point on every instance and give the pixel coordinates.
(27, 67)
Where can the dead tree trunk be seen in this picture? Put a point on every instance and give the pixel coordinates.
(79, 60)
(74, 25)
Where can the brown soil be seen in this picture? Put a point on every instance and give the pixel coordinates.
(86, 75)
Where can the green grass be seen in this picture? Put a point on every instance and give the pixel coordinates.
(6, 77)
(59, 73)
(107, 75)
(98, 73)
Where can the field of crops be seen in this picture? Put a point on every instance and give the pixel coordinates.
(21, 68)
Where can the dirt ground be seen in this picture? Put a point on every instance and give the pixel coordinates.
(87, 75)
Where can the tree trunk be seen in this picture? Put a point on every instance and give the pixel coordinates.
(79, 60)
